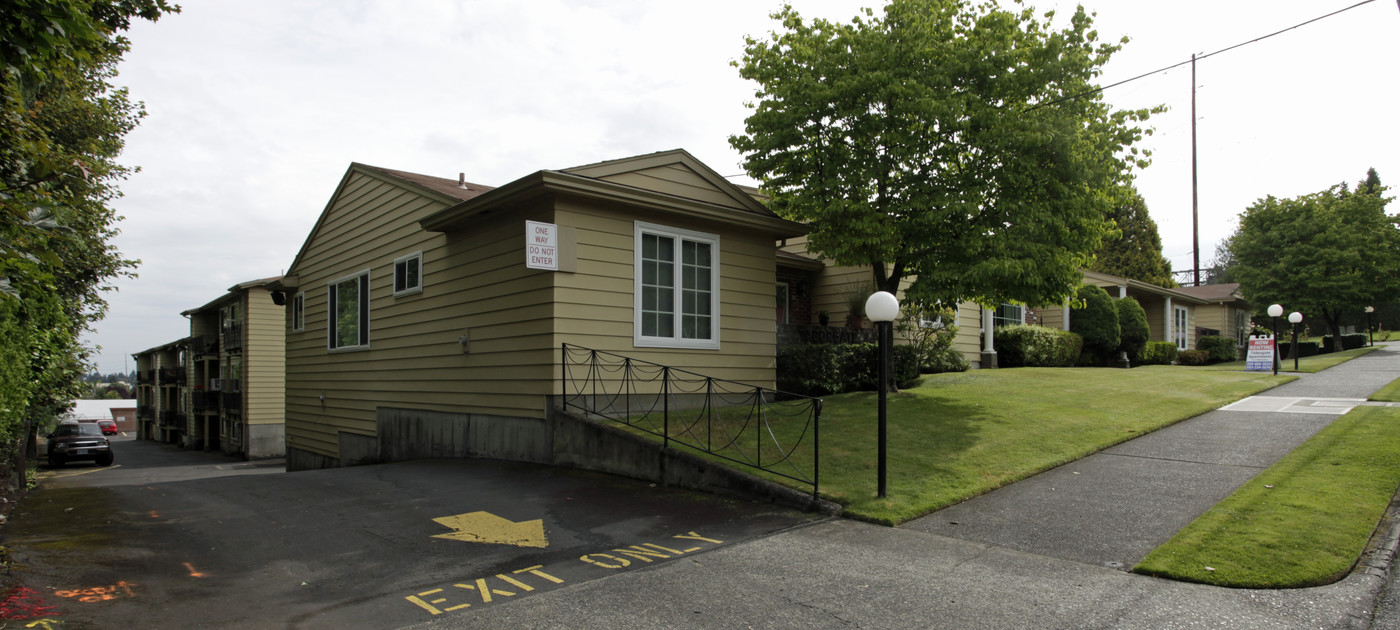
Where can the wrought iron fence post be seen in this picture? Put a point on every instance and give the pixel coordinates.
(816, 445)
(762, 424)
(665, 408)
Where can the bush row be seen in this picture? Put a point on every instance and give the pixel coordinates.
(1020, 345)
(1158, 353)
(824, 369)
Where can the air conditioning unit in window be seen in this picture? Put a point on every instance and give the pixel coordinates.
(216, 384)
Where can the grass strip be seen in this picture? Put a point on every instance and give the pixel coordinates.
(1389, 393)
(1302, 522)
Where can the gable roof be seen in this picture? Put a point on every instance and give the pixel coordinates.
(1140, 286)
(445, 190)
(235, 289)
(1228, 292)
(669, 182)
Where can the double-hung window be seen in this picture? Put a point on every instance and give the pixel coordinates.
(408, 274)
(348, 307)
(1009, 315)
(676, 288)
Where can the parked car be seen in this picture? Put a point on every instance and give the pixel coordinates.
(109, 427)
(79, 441)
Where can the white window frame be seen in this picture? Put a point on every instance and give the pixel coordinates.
(417, 259)
(998, 320)
(299, 312)
(677, 341)
(1181, 322)
(362, 310)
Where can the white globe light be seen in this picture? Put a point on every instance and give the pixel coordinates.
(1370, 309)
(1275, 310)
(881, 306)
(1295, 317)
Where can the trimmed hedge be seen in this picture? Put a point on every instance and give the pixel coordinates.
(1349, 342)
(1133, 328)
(1219, 349)
(1020, 345)
(822, 369)
(1192, 357)
(1305, 349)
(1159, 353)
(1097, 323)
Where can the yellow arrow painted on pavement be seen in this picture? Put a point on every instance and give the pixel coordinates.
(485, 527)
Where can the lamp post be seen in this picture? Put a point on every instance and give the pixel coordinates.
(1294, 318)
(1370, 328)
(1274, 311)
(882, 307)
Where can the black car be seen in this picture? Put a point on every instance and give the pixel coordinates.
(79, 441)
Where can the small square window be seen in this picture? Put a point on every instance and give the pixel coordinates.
(408, 276)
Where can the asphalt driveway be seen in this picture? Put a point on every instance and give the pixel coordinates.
(173, 539)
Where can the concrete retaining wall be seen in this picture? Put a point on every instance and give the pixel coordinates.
(561, 439)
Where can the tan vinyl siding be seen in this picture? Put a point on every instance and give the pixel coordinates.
(675, 179)
(595, 304)
(264, 363)
(474, 284)
(969, 338)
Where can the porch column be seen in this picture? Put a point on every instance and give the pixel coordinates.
(1122, 291)
(989, 353)
(1065, 325)
(1167, 313)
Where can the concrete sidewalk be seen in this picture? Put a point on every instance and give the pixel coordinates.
(1115, 507)
(1048, 552)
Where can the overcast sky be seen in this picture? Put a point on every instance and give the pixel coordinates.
(256, 108)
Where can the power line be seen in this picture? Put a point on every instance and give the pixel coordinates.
(1198, 57)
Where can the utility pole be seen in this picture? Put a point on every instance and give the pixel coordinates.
(1195, 225)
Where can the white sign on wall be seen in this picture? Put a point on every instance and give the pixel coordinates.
(541, 246)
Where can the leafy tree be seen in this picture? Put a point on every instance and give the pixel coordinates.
(1135, 251)
(1096, 320)
(960, 145)
(1323, 254)
(62, 125)
(1221, 270)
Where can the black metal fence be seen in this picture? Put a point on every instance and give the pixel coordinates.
(761, 428)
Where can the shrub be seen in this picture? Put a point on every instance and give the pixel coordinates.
(1132, 327)
(930, 331)
(1305, 349)
(1020, 345)
(1097, 322)
(822, 369)
(945, 360)
(1159, 353)
(1349, 342)
(1218, 349)
(1193, 357)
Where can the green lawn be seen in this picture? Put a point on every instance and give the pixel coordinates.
(1306, 365)
(1389, 393)
(956, 436)
(1302, 522)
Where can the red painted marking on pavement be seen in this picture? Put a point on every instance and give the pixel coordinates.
(25, 603)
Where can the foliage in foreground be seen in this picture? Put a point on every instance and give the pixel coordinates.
(1302, 522)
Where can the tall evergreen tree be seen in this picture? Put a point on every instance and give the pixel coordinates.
(1135, 251)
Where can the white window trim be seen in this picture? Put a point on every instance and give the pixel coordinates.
(299, 308)
(395, 271)
(640, 341)
(362, 307)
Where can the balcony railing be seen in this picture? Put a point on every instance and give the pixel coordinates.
(773, 431)
(172, 376)
(146, 412)
(172, 420)
(146, 377)
(232, 401)
(233, 337)
(203, 401)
